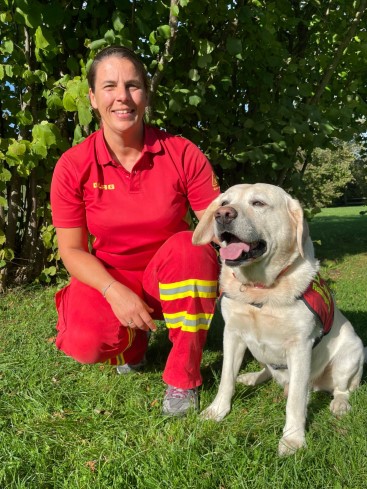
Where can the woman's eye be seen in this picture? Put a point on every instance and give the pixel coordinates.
(133, 86)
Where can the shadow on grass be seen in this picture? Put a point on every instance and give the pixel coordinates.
(320, 401)
(339, 236)
(359, 321)
(158, 350)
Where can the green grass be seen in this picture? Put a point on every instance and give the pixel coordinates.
(65, 425)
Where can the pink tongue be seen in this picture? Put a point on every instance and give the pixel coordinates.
(234, 250)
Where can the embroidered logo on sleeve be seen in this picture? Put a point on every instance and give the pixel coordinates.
(110, 186)
(215, 183)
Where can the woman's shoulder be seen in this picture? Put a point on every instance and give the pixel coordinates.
(166, 138)
(80, 157)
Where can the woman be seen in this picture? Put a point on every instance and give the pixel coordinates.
(130, 186)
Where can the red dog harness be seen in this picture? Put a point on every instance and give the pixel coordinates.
(319, 300)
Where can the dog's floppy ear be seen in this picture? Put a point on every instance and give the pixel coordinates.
(204, 231)
(296, 212)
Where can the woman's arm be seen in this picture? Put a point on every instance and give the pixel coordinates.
(126, 305)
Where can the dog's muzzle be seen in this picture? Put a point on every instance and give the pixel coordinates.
(234, 250)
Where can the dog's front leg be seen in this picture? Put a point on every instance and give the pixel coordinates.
(234, 348)
(299, 367)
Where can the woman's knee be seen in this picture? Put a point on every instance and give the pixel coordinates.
(84, 346)
(180, 247)
(87, 327)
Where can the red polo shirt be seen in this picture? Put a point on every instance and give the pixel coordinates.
(131, 214)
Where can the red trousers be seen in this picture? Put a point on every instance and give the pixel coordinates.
(180, 283)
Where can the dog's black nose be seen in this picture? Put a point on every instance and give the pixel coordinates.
(225, 214)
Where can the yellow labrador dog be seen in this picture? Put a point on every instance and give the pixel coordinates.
(270, 289)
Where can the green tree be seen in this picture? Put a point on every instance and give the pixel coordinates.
(257, 84)
(356, 191)
(328, 175)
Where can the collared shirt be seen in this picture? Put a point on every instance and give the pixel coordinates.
(131, 214)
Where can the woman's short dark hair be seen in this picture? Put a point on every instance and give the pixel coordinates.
(119, 52)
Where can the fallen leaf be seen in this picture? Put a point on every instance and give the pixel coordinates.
(91, 465)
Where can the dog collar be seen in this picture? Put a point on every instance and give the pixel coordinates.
(259, 285)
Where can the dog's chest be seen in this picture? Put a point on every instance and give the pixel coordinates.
(266, 331)
(259, 323)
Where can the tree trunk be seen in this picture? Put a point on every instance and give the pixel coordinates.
(29, 246)
(14, 198)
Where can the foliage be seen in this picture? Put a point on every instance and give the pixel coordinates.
(256, 84)
(358, 188)
(327, 176)
(70, 426)
(360, 177)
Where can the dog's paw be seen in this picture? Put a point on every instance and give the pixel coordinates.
(254, 378)
(340, 406)
(288, 445)
(248, 379)
(215, 413)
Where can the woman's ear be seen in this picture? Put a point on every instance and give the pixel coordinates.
(92, 99)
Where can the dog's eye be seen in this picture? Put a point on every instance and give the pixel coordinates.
(258, 203)
(224, 202)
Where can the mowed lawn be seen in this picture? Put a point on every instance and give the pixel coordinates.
(64, 425)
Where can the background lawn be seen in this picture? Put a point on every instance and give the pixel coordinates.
(64, 425)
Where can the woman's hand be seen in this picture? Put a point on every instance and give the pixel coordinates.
(129, 308)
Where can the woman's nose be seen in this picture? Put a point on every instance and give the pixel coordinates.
(122, 93)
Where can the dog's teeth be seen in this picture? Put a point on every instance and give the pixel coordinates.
(224, 244)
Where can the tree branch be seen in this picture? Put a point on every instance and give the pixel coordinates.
(133, 27)
(339, 53)
(165, 57)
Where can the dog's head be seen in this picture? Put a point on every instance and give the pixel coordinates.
(252, 222)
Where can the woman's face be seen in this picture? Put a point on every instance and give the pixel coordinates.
(119, 96)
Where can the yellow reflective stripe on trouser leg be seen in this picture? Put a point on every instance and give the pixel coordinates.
(188, 322)
(120, 360)
(206, 289)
